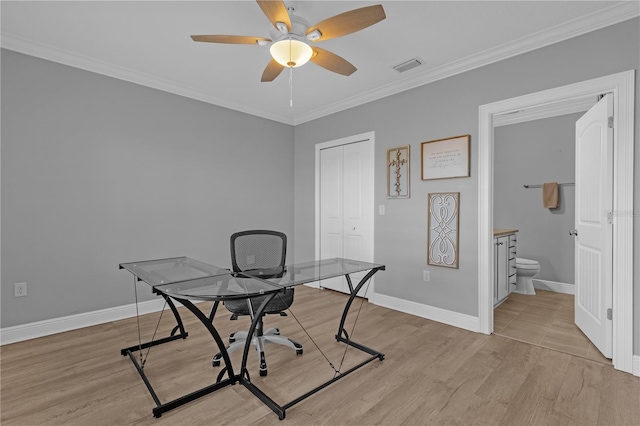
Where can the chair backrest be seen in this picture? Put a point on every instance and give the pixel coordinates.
(260, 251)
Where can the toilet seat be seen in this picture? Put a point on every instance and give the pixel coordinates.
(526, 263)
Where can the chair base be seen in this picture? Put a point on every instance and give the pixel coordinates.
(271, 335)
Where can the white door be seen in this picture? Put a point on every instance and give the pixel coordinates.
(594, 244)
(346, 207)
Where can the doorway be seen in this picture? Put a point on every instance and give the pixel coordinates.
(527, 153)
(345, 204)
(622, 87)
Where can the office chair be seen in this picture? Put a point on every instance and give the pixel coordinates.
(261, 253)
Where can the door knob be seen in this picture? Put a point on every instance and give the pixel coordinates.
(573, 232)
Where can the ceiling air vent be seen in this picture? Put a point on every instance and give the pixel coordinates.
(407, 65)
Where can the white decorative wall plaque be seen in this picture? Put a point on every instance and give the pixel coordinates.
(442, 233)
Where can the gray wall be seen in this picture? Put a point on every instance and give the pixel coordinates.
(533, 153)
(97, 171)
(447, 108)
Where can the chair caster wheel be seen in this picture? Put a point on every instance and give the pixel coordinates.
(215, 363)
(298, 351)
(263, 373)
(231, 339)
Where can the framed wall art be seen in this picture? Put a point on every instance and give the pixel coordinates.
(398, 172)
(445, 158)
(442, 233)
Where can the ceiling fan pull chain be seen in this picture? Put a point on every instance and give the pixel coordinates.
(291, 87)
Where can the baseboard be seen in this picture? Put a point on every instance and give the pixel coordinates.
(37, 329)
(554, 286)
(636, 365)
(444, 316)
(33, 330)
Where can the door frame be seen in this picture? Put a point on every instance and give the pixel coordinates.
(622, 85)
(368, 137)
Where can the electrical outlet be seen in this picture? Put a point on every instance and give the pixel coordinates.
(426, 276)
(20, 289)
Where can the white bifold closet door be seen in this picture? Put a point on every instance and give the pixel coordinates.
(346, 207)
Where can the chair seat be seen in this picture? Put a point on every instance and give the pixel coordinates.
(281, 302)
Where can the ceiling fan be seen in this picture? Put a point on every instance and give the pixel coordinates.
(290, 35)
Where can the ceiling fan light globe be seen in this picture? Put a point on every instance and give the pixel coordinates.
(291, 53)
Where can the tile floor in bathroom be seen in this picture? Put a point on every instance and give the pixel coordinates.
(546, 320)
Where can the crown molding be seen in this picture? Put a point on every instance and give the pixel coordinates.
(600, 19)
(603, 18)
(64, 57)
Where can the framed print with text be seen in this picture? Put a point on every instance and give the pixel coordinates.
(445, 158)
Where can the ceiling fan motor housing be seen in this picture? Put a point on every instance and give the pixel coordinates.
(299, 26)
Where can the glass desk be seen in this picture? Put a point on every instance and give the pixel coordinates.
(186, 280)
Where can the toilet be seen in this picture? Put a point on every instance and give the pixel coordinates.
(526, 269)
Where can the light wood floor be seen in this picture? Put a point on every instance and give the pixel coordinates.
(546, 319)
(432, 374)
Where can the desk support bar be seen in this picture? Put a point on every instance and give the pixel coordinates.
(327, 383)
(172, 306)
(254, 323)
(173, 336)
(214, 333)
(342, 336)
(164, 407)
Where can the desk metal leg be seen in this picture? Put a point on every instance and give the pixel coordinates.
(342, 335)
(179, 326)
(244, 378)
(173, 336)
(220, 383)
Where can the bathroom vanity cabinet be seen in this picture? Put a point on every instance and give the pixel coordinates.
(504, 273)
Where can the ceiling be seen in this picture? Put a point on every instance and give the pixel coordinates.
(148, 42)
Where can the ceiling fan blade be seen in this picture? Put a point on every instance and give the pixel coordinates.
(230, 39)
(332, 62)
(272, 70)
(348, 22)
(276, 11)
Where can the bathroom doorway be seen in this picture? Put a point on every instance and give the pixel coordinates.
(528, 153)
(622, 87)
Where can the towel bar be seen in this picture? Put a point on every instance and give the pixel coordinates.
(540, 186)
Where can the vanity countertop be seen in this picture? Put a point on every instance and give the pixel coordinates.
(498, 232)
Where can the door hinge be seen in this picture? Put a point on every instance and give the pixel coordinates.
(610, 313)
(610, 122)
(609, 218)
